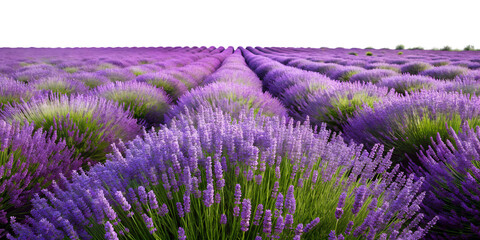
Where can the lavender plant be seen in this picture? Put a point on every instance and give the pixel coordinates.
(60, 85)
(345, 73)
(12, 91)
(452, 178)
(409, 83)
(91, 80)
(173, 87)
(254, 177)
(407, 123)
(87, 123)
(296, 98)
(415, 68)
(340, 102)
(372, 76)
(146, 102)
(29, 160)
(445, 72)
(229, 97)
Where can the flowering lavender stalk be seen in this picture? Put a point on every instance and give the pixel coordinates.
(238, 193)
(258, 215)
(181, 213)
(267, 222)
(181, 234)
(246, 212)
(290, 203)
(110, 232)
(279, 205)
(223, 219)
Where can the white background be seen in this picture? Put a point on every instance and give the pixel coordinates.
(335, 23)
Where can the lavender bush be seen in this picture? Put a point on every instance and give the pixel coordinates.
(87, 123)
(254, 177)
(452, 178)
(29, 160)
(407, 123)
(146, 102)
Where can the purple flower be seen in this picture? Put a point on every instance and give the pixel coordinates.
(372, 76)
(149, 223)
(279, 226)
(267, 222)
(290, 203)
(153, 200)
(223, 219)
(311, 225)
(258, 215)
(218, 198)
(275, 189)
(142, 194)
(246, 212)
(208, 195)
(338, 213)
(289, 220)
(236, 211)
(186, 202)
(359, 199)
(238, 193)
(110, 232)
(164, 210)
(258, 179)
(181, 213)
(60, 85)
(181, 234)
(299, 229)
(279, 205)
(332, 235)
(349, 228)
(229, 97)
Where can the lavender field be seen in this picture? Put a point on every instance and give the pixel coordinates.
(239, 143)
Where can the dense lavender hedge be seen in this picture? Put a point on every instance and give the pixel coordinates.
(219, 170)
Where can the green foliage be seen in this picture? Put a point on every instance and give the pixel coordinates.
(70, 69)
(353, 53)
(400, 47)
(343, 107)
(416, 48)
(369, 53)
(469, 48)
(400, 53)
(446, 48)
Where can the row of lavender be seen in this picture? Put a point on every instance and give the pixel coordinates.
(431, 120)
(56, 120)
(229, 165)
